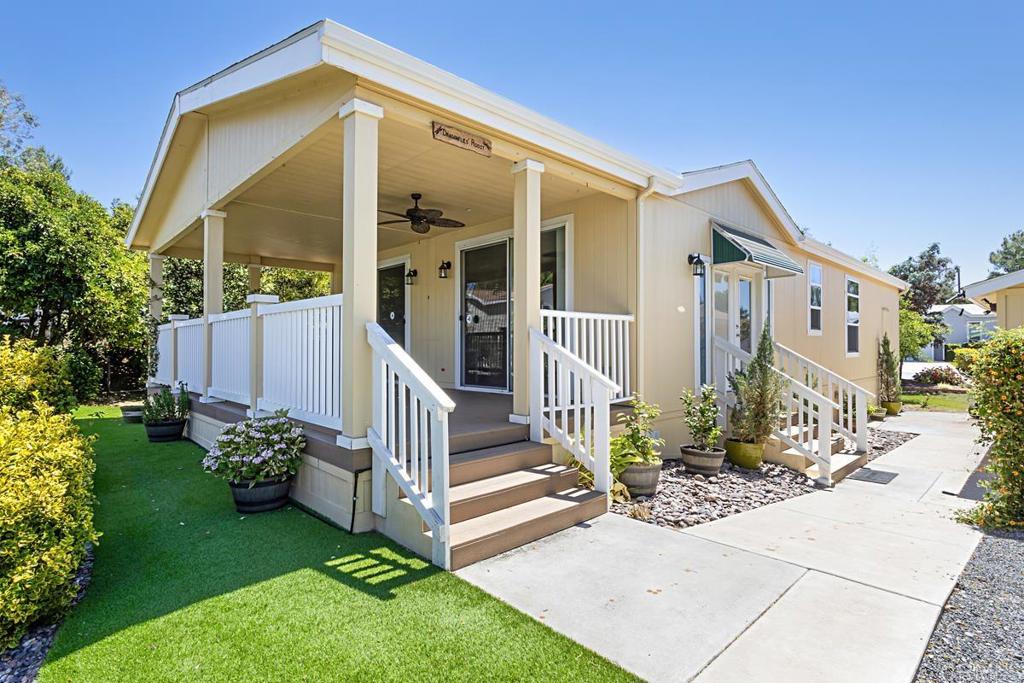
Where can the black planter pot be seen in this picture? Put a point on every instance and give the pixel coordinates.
(165, 431)
(263, 496)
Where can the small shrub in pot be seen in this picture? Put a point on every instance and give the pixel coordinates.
(637, 446)
(164, 414)
(258, 457)
(758, 389)
(889, 383)
(700, 413)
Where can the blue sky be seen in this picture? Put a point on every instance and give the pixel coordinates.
(881, 126)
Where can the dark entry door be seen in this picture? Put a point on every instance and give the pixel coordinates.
(391, 301)
(485, 316)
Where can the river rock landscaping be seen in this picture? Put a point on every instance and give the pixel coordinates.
(979, 635)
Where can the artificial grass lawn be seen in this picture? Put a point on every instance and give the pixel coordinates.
(956, 403)
(185, 588)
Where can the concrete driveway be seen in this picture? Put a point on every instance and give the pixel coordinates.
(840, 585)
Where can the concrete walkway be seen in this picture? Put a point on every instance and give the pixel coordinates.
(840, 585)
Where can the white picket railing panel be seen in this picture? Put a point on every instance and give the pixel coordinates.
(230, 342)
(190, 350)
(409, 437)
(302, 359)
(165, 359)
(570, 400)
(599, 339)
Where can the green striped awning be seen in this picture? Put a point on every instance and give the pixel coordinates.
(732, 245)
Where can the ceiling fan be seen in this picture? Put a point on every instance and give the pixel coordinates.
(421, 219)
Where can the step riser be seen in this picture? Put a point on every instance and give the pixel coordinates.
(475, 441)
(533, 455)
(475, 507)
(514, 537)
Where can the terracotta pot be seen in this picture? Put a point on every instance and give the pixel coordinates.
(261, 496)
(892, 407)
(641, 479)
(165, 431)
(741, 454)
(697, 461)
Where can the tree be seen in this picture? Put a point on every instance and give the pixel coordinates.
(915, 331)
(932, 278)
(1009, 257)
(183, 285)
(16, 123)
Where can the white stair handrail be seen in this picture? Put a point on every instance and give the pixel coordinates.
(600, 339)
(851, 399)
(570, 400)
(409, 438)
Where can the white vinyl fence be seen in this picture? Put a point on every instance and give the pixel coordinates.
(230, 343)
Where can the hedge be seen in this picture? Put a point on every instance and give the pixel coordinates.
(29, 373)
(46, 501)
(998, 391)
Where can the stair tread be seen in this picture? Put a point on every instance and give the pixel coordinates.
(503, 482)
(840, 461)
(478, 528)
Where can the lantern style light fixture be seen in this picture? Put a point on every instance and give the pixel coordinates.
(697, 263)
(410, 276)
(442, 270)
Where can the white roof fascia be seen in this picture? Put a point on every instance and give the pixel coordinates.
(976, 290)
(370, 59)
(741, 170)
(817, 248)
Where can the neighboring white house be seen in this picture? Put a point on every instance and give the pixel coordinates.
(966, 322)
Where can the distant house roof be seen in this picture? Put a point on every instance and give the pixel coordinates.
(977, 291)
(965, 309)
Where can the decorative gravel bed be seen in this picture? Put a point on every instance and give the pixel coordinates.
(980, 635)
(881, 441)
(21, 663)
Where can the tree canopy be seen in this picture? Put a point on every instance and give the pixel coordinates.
(915, 331)
(932, 278)
(1009, 257)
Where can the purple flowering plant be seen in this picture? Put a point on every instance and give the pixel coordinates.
(257, 449)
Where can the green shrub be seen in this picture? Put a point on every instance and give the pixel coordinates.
(165, 406)
(941, 374)
(758, 389)
(998, 393)
(964, 359)
(45, 515)
(889, 384)
(28, 372)
(700, 414)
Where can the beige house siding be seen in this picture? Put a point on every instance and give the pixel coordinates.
(1010, 308)
(736, 204)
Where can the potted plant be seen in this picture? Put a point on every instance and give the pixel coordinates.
(704, 455)
(131, 412)
(164, 414)
(258, 457)
(758, 390)
(637, 446)
(889, 387)
(875, 413)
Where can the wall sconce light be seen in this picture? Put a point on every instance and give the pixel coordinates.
(442, 270)
(410, 276)
(697, 263)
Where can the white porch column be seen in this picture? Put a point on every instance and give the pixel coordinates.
(213, 287)
(358, 267)
(336, 279)
(525, 279)
(255, 277)
(156, 286)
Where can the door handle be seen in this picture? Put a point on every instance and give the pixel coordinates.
(476, 318)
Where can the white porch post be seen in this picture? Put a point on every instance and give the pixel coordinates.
(358, 266)
(336, 279)
(213, 288)
(525, 279)
(156, 286)
(255, 277)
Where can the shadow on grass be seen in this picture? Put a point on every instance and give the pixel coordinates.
(172, 538)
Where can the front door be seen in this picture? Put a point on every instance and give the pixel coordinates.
(391, 301)
(484, 316)
(736, 310)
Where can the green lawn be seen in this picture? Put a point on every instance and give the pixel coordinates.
(956, 403)
(185, 588)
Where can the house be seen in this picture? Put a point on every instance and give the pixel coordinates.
(967, 323)
(502, 284)
(1002, 295)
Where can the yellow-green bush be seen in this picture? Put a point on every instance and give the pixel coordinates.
(998, 392)
(29, 372)
(964, 358)
(46, 503)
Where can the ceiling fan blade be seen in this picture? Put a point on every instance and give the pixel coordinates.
(446, 223)
(392, 213)
(393, 222)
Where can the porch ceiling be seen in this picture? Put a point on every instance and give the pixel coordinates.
(295, 211)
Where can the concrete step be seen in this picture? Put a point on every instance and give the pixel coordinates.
(843, 465)
(481, 537)
(484, 496)
(496, 460)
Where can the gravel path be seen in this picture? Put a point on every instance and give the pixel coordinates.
(21, 663)
(980, 635)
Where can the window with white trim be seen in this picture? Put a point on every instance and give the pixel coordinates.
(814, 297)
(976, 331)
(852, 317)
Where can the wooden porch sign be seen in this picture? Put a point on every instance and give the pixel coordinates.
(461, 138)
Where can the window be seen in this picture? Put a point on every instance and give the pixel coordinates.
(814, 296)
(852, 317)
(552, 269)
(975, 331)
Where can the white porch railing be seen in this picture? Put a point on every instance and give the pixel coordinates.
(409, 437)
(851, 400)
(811, 435)
(570, 400)
(302, 359)
(230, 343)
(190, 349)
(598, 339)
